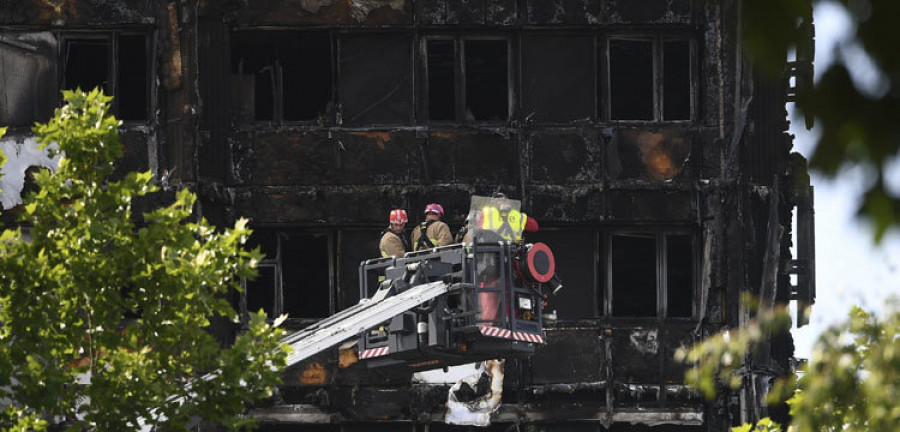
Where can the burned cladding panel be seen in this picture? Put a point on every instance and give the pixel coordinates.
(279, 205)
(636, 355)
(558, 82)
(378, 157)
(652, 205)
(376, 79)
(673, 336)
(271, 158)
(560, 203)
(565, 12)
(42, 12)
(646, 12)
(324, 205)
(564, 157)
(570, 356)
(472, 157)
(501, 12)
(325, 12)
(649, 154)
(376, 403)
(437, 12)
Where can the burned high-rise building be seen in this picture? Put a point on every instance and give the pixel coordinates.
(654, 156)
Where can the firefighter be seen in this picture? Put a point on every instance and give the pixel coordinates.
(506, 221)
(393, 239)
(509, 223)
(437, 233)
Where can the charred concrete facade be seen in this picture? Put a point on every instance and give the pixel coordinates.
(655, 159)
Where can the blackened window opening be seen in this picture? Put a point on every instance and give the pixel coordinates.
(253, 56)
(679, 276)
(305, 276)
(486, 70)
(132, 92)
(634, 280)
(306, 76)
(87, 65)
(676, 80)
(291, 73)
(441, 79)
(631, 79)
(261, 291)
(574, 251)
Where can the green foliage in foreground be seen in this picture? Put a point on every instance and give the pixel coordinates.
(63, 295)
(858, 122)
(852, 381)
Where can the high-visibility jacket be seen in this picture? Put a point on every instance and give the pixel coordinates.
(510, 227)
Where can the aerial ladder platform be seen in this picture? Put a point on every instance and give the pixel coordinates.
(440, 307)
(444, 306)
(357, 319)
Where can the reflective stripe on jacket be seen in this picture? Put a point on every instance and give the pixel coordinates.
(510, 227)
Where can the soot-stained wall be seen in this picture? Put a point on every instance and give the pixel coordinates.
(622, 126)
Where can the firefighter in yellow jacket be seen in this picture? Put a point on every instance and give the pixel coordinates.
(393, 239)
(506, 221)
(437, 233)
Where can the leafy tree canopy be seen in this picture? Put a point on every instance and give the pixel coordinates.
(851, 383)
(85, 264)
(857, 122)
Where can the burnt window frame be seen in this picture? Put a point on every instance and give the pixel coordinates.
(277, 263)
(605, 308)
(112, 37)
(658, 40)
(328, 115)
(459, 72)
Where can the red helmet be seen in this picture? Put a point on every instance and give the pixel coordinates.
(435, 208)
(398, 216)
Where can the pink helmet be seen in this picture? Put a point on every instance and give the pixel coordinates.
(435, 208)
(398, 216)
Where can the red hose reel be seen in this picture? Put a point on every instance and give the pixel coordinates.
(539, 264)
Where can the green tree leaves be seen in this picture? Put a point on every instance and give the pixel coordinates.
(88, 264)
(852, 381)
(858, 125)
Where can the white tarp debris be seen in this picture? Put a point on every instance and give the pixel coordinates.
(21, 154)
(472, 399)
(451, 376)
